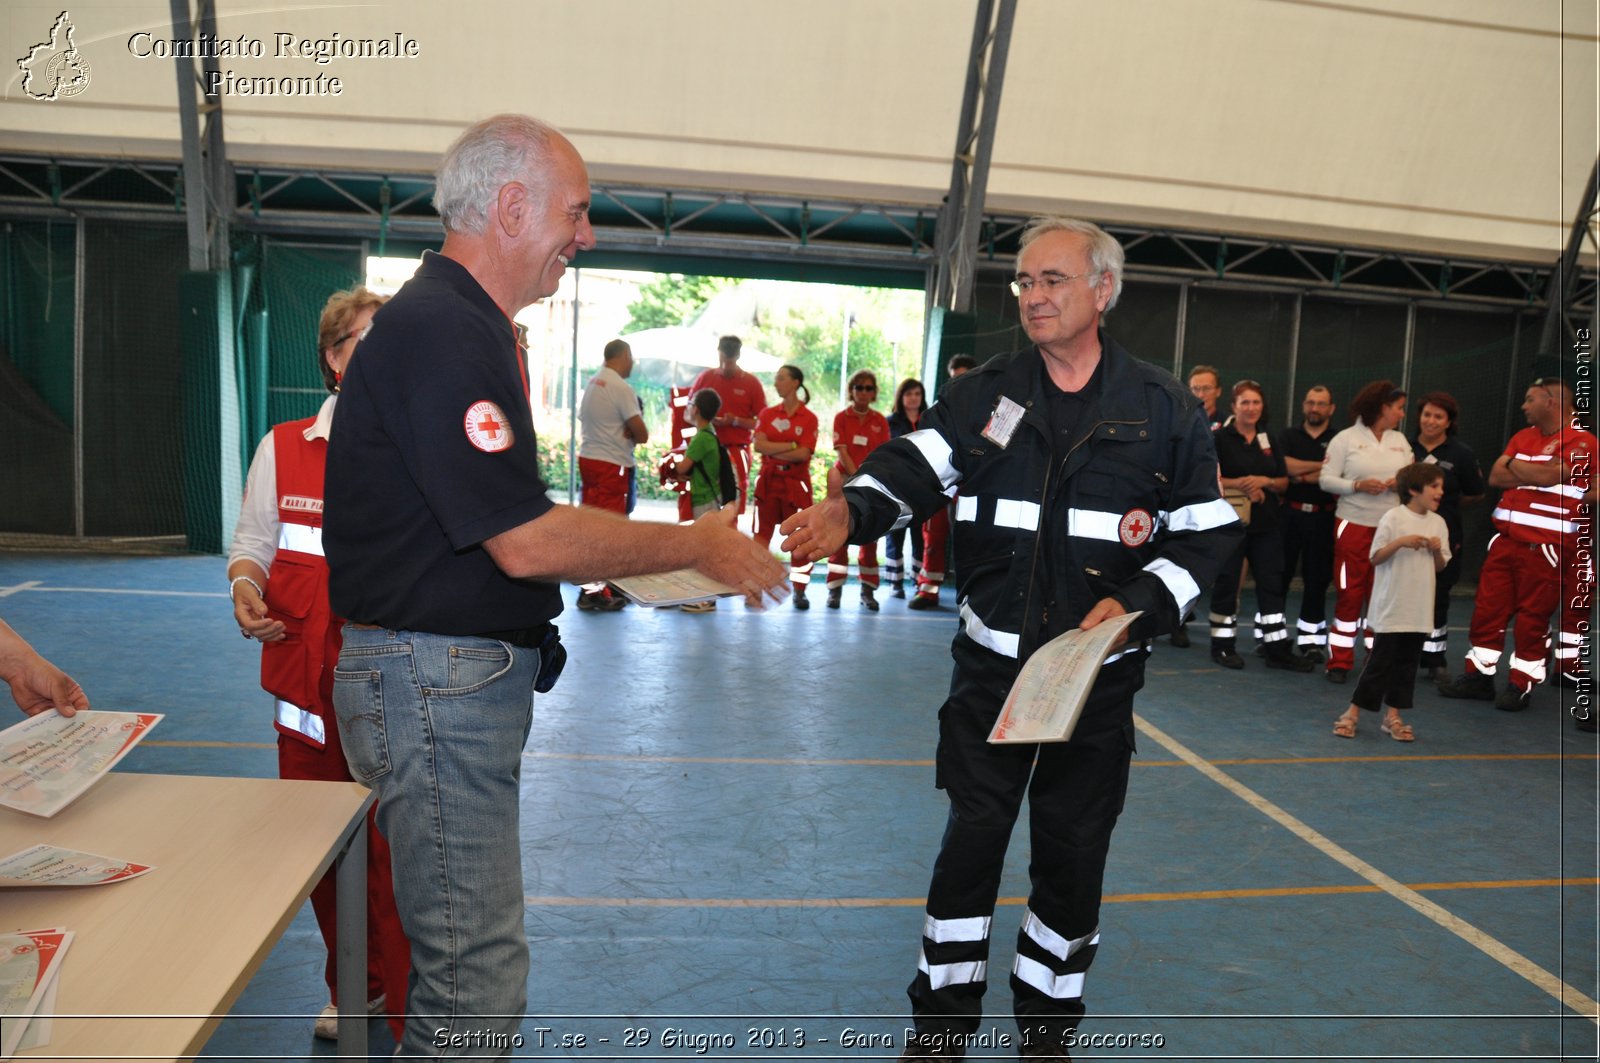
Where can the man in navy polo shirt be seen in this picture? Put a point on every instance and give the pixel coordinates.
(445, 553)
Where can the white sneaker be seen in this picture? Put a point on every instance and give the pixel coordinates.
(327, 1025)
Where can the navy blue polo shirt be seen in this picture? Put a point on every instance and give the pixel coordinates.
(432, 451)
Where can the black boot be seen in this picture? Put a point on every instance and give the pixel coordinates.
(1223, 653)
(1279, 655)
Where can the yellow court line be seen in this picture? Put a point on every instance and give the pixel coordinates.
(1496, 950)
(1110, 898)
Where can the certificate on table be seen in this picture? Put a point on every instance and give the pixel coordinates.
(1050, 691)
(51, 865)
(48, 760)
(29, 963)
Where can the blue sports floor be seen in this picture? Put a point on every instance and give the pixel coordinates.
(729, 819)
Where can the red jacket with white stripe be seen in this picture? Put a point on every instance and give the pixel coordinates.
(1543, 515)
(297, 592)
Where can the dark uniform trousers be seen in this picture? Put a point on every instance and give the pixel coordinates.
(1075, 791)
(1308, 540)
(1264, 550)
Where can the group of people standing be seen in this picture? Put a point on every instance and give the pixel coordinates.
(725, 414)
(1315, 500)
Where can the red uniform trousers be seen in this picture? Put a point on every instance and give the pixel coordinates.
(388, 950)
(866, 566)
(1518, 587)
(604, 485)
(1352, 576)
(739, 454)
(778, 496)
(935, 537)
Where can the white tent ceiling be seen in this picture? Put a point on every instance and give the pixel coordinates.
(1459, 126)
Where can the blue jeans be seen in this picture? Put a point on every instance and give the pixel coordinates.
(436, 724)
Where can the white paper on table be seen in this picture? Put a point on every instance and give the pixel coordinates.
(1050, 690)
(50, 865)
(681, 587)
(29, 962)
(37, 1031)
(48, 760)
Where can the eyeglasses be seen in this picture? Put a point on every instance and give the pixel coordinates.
(1049, 282)
(863, 387)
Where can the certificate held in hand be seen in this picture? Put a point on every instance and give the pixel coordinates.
(1050, 691)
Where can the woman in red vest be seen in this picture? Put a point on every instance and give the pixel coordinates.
(278, 580)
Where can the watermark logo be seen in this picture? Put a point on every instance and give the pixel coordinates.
(55, 69)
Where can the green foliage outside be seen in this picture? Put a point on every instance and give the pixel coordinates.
(798, 324)
(672, 299)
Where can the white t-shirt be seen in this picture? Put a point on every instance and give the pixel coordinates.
(1402, 587)
(608, 404)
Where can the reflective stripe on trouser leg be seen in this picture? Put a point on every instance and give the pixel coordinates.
(1569, 652)
(1224, 630)
(1311, 635)
(1482, 661)
(1050, 964)
(838, 570)
(800, 576)
(1436, 643)
(1271, 628)
(1526, 673)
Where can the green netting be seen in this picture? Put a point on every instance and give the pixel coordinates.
(37, 266)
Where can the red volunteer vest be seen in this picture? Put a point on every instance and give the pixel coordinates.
(297, 592)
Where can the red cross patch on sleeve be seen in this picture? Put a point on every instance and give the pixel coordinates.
(1135, 527)
(487, 427)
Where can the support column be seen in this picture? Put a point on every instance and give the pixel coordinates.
(961, 216)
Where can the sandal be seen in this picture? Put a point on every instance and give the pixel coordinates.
(1398, 729)
(1345, 726)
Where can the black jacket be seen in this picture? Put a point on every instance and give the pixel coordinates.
(1136, 497)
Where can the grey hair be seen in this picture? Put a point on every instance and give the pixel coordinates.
(487, 156)
(1105, 254)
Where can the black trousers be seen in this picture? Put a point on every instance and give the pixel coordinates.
(894, 544)
(1435, 646)
(1075, 793)
(1390, 674)
(1264, 549)
(1308, 550)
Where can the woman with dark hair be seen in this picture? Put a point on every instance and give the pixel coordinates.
(858, 430)
(785, 437)
(909, 402)
(1254, 473)
(1360, 468)
(278, 580)
(1436, 444)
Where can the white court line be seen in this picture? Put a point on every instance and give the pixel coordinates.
(34, 586)
(6, 592)
(1464, 930)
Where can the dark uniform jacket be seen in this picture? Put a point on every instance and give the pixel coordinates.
(1132, 512)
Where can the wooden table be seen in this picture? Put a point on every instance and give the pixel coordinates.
(159, 960)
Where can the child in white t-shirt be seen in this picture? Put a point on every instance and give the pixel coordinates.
(1410, 546)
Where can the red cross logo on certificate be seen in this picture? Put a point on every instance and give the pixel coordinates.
(1135, 527)
(487, 427)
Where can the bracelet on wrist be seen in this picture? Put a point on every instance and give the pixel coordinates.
(234, 582)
